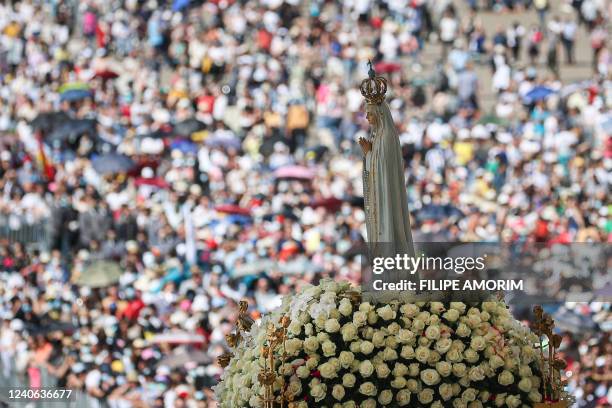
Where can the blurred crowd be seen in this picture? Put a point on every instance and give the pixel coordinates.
(207, 151)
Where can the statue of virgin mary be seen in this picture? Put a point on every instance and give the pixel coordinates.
(384, 185)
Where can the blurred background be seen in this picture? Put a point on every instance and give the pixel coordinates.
(161, 160)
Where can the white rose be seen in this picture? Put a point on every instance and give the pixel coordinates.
(459, 403)
(476, 374)
(422, 354)
(475, 404)
(444, 368)
(413, 385)
(386, 313)
(446, 391)
(338, 392)
(391, 342)
(366, 368)
(525, 371)
(369, 403)
(367, 333)
(436, 307)
(311, 344)
(451, 315)
(382, 370)
(399, 370)
(366, 347)
(469, 395)
(378, 339)
(349, 332)
(360, 318)
(318, 391)
(293, 346)
(470, 355)
(355, 346)
(430, 376)
(405, 336)
(308, 329)
(418, 325)
(436, 404)
(346, 358)
(403, 398)
(478, 343)
(484, 395)
(463, 330)
(348, 380)
(385, 397)
(367, 388)
(443, 345)
(302, 372)
(454, 356)
(496, 361)
(459, 370)
(432, 332)
(505, 378)
(332, 326)
(328, 348)
(458, 306)
(346, 307)
(525, 385)
(500, 399)
(407, 352)
(294, 388)
(473, 320)
(295, 328)
(513, 401)
(328, 370)
(312, 362)
(426, 396)
(398, 383)
(409, 309)
(389, 354)
(372, 318)
(535, 396)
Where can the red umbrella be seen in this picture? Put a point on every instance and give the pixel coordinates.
(294, 172)
(386, 67)
(106, 74)
(155, 182)
(233, 209)
(331, 203)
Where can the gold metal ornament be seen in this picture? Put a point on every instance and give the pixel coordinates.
(276, 338)
(224, 359)
(373, 88)
(551, 365)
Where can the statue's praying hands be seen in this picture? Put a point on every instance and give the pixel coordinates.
(365, 144)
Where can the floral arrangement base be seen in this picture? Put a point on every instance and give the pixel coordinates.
(339, 351)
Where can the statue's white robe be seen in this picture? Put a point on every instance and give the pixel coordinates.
(385, 196)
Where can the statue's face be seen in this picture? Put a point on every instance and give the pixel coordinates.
(371, 118)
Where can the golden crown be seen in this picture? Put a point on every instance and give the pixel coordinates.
(373, 88)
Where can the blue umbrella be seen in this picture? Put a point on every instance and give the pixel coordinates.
(112, 163)
(75, 95)
(185, 146)
(178, 5)
(537, 94)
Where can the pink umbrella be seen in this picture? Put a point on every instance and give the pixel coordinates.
(233, 209)
(178, 337)
(294, 172)
(386, 67)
